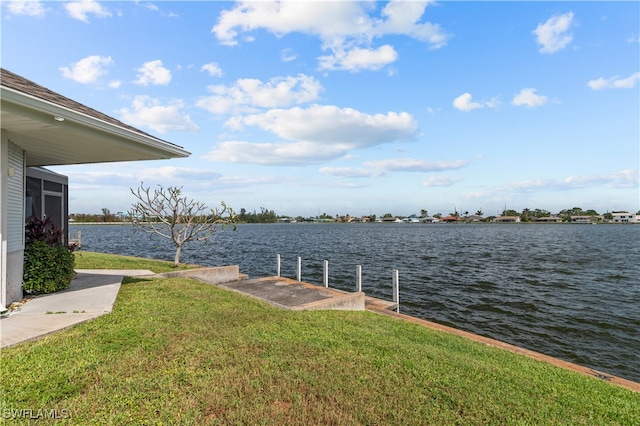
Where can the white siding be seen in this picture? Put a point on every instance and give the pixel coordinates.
(15, 199)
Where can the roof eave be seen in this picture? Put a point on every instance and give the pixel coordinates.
(42, 106)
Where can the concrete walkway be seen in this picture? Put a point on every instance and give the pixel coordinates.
(92, 293)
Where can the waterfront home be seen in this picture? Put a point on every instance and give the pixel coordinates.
(474, 218)
(625, 217)
(411, 219)
(450, 219)
(391, 219)
(362, 219)
(586, 219)
(429, 219)
(548, 219)
(40, 128)
(507, 219)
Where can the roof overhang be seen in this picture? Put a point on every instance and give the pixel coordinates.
(51, 134)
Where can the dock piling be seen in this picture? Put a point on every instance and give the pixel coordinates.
(358, 278)
(396, 289)
(325, 275)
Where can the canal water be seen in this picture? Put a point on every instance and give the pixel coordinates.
(568, 291)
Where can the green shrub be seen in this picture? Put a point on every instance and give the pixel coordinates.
(48, 264)
(47, 268)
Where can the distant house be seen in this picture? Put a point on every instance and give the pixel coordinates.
(586, 219)
(411, 219)
(429, 219)
(42, 128)
(449, 219)
(474, 218)
(391, 219)
(507, 219)
(548, 219)
(625, 217)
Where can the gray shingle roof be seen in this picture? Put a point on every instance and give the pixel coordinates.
(21, 84)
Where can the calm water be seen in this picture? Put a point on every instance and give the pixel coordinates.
(569, 291)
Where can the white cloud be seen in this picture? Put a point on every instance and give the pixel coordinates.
(344, 28)
(414, 165)
(376, 168)
(349, 172)
(328, 20)
(87, 70)
(314, 135)
(464, 103)
(176, 176)
(440, 181)
(554, 35)
(244, 181)
(615, 82)
(288, 55)
(403, 18)
(26, 7)
(213, 69)
(115, 84)
(80, 10)
(621, 179)
(161, 118)
(295, 153)
(98, 177)
(153, 72)
(528, 97)
(335, 126)
(149, 6)
(247, 94)
(358, 59)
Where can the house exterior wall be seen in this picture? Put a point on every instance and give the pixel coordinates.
(13, 184)
(12, 181)
(4, 177)
(15, 201)
(15, 269)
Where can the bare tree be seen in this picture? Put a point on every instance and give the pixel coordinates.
(166, 212)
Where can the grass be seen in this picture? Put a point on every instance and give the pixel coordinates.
(178, 351)
(92, 260)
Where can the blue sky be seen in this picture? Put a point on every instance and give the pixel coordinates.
(351, 108)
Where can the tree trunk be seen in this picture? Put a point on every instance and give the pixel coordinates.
(176, 259)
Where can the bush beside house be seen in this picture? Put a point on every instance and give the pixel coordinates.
(48, 263)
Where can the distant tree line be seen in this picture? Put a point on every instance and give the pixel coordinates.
(105, 216)
(264, 216)
(269, 216)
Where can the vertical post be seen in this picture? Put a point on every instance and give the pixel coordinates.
(278, 265)
(396, 290)
(325, 277)
(358, 278)
(299, 274)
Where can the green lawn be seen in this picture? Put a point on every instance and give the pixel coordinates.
(92, 260)
(178, 351)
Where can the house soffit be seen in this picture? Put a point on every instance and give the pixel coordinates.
(53, 134)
